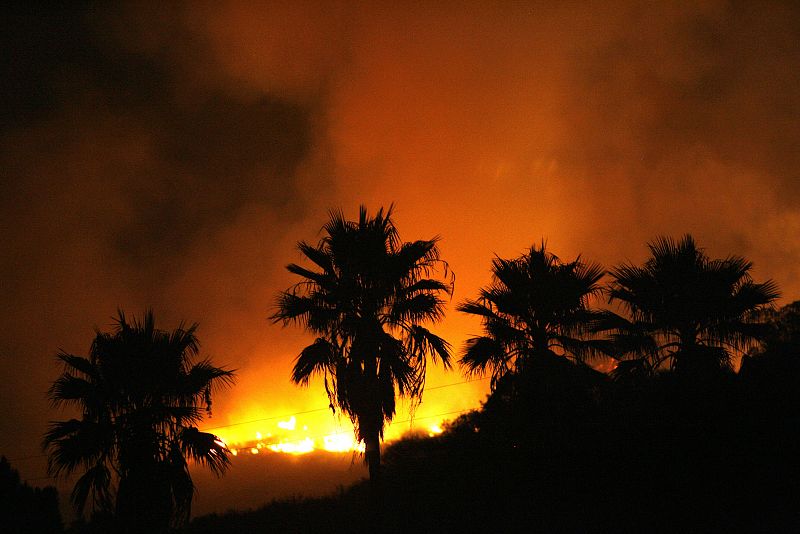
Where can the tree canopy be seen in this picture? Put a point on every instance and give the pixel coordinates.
(140, 394)
(536, 305)
(685, 309)
(368, 298)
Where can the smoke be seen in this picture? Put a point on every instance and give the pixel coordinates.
(172, 156)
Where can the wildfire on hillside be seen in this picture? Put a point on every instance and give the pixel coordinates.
(290, 437)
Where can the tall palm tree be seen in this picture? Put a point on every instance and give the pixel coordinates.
(684, 309)
(140, 395)
(536, 306)
(366, 299)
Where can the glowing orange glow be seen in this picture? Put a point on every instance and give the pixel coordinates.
(317, 430)
(339, 443)
(293, 447)
(288, 425)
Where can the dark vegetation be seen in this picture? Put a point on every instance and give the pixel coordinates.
(139, 396)
(367, 301)
(566, 449)
(659, 455)
(26, 509)
(673, 439)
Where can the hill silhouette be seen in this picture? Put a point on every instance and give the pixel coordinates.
(573, 450)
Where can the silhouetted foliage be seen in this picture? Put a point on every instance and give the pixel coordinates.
(24, 509)
(140, 395)
(367, 302)
(772, 371)
(559, 447)
(656, 456)
(686, 310)
(536, 306)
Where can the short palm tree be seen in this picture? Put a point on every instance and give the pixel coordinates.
(684, 309)
(140, 395)
(367, 300)
(536, 306)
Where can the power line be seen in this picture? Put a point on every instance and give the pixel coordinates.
(458, 383)
(284, 416)
(328, 408)
(246, 445)
(266, 419)
(315, 437)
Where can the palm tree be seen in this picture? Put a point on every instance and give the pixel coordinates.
(685, 309)
(536, 306)
(366, 300)
(140, 395)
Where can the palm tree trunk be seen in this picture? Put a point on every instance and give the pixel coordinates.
(372, 454)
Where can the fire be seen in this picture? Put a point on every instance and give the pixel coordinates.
(251, 431)
(339, 443)
(293, 438)
(293, 447)
(288, 425)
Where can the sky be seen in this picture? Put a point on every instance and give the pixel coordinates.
(170, 156)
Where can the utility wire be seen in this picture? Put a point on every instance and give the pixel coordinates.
(328, 408)
(266, 419)
(316, 437)
(272, 418)
(246, 445)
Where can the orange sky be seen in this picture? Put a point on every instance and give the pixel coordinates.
(172, 157)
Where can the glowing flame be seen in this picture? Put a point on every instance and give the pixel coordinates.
(342, 442)
(286, 443)
(306, 432)
(293, 447)
(288, 425)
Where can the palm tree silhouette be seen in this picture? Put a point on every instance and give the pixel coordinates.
(366, 302)
(140, 395)
(684, 308)
(536, 306)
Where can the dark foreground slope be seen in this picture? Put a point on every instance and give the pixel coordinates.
(568, 450)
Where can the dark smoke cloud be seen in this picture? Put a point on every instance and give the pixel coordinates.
(130, 164)
(172, 156)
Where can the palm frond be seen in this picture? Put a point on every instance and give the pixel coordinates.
(204, 374)
(206, 449)
(417, 308)
(77, 364)
(581, 349)
(69, 389)
(423, 342)
(96, 481)
(316, 255)
(74, 443)
(482, 353)
(317, 358)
